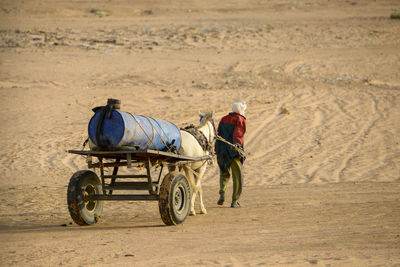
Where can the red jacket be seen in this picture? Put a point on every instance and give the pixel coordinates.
(232, 128)
(237, 127)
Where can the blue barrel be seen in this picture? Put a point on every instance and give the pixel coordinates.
(123, 129)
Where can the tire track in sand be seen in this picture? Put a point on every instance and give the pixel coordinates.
(338, 158)
(358, 141)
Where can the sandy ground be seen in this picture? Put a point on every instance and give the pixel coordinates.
(322, 181)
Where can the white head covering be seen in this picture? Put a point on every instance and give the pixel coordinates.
(239, 107)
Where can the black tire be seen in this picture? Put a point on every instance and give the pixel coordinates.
(82, 210)
(174, 202)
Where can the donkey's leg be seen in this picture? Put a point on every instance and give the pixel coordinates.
(188, 173)
(198, 184)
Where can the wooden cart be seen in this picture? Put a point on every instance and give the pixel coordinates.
(87, 191)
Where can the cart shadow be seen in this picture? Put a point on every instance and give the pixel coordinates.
(5, 229)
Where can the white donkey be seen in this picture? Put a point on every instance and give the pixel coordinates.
(194, 171)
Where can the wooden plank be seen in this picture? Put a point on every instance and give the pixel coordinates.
(140, 154)
(126, 176)
(128, 186)
(124, 197)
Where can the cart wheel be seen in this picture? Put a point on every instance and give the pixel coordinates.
(174, 199)
(82, 210)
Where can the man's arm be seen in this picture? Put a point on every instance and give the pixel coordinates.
(239, 131)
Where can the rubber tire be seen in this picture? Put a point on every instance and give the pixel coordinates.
(84, 213)
(173, 187)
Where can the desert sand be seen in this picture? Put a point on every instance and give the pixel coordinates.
(322, 82)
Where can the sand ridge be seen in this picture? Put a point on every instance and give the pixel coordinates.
(321, 80)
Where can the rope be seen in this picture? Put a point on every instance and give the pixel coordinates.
(144, 131)
(241, 152)
(165, 144)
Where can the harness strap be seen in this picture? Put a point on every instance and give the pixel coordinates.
(200, 137)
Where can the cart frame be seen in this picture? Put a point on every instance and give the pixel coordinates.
(104, 191)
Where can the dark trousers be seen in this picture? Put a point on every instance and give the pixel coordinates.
(236, 170)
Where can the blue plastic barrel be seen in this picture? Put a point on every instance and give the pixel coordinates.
(123, 129)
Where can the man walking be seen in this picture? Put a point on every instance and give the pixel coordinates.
(231, 128)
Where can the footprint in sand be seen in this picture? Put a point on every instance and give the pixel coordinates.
(319, 118)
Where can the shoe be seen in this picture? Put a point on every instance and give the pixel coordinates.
(221, 200)
(235, 205)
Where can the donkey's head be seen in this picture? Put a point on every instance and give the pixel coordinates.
(207, 125)
(205, 117)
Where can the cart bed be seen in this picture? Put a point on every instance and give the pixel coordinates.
(139, 155)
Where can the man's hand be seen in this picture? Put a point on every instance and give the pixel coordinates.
(237, 146)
